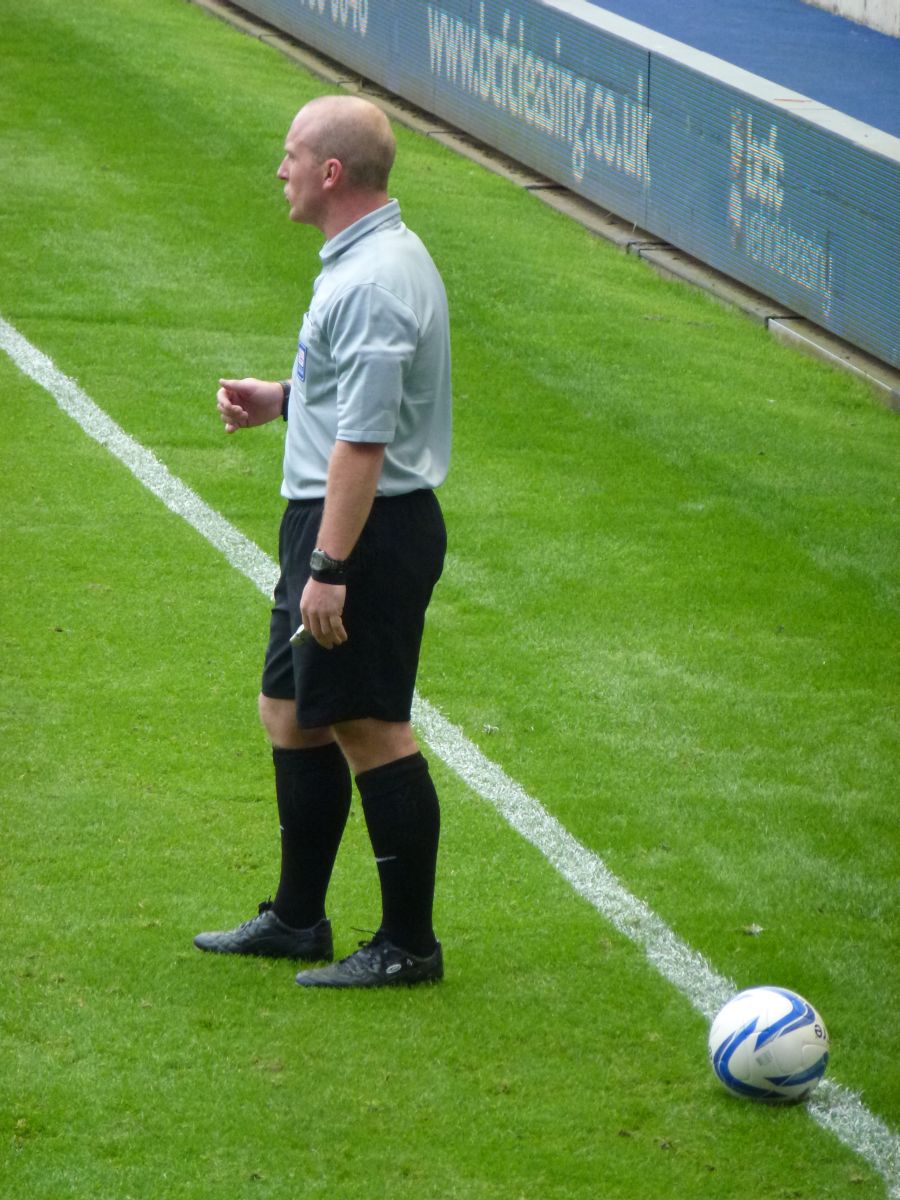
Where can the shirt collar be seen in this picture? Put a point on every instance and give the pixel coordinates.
(388, 214)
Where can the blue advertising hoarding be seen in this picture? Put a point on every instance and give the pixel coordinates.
(776, 191)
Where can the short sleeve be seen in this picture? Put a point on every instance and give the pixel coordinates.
(373, 337)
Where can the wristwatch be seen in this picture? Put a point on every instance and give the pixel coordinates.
(325, 569)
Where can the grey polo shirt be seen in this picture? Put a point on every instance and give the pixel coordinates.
(373, 361)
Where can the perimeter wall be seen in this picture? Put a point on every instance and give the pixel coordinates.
(775, 190)
(883, 15)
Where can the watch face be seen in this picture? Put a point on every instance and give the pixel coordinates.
(320, 561)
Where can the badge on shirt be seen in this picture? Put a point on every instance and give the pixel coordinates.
(301, 362)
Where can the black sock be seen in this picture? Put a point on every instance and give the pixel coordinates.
(313, 789)
(403, 819)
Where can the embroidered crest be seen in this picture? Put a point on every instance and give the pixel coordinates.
(301, 362)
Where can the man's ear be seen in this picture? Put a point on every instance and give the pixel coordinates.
(334, 170)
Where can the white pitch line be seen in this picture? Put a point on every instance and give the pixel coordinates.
(833, 1106)
(243, 554)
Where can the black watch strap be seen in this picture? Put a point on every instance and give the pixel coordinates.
(325, 569)
(285, 398)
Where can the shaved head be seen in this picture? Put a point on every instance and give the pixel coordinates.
(355, 132)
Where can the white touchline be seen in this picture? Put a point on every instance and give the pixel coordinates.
(833, 1106)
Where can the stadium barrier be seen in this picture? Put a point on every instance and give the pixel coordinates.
(793, 199)
(883, 15)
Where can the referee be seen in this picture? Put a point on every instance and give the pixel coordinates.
(361, 547)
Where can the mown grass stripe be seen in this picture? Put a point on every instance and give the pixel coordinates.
(240, 552)
(832, 1106)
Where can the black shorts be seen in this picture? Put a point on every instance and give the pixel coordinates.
(390, 577)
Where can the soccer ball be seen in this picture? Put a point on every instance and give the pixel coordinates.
(770, 1044)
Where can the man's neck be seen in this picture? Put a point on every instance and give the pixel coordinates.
(351, 210)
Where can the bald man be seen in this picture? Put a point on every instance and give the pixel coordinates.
(361, 547)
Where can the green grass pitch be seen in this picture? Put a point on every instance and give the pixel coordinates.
(669, 612)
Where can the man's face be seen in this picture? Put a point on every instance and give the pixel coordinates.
(303, 174)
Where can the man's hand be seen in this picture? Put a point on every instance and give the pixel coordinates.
(244, 403)
(321, 609)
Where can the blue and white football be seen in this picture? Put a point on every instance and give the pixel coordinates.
(770, 1044)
